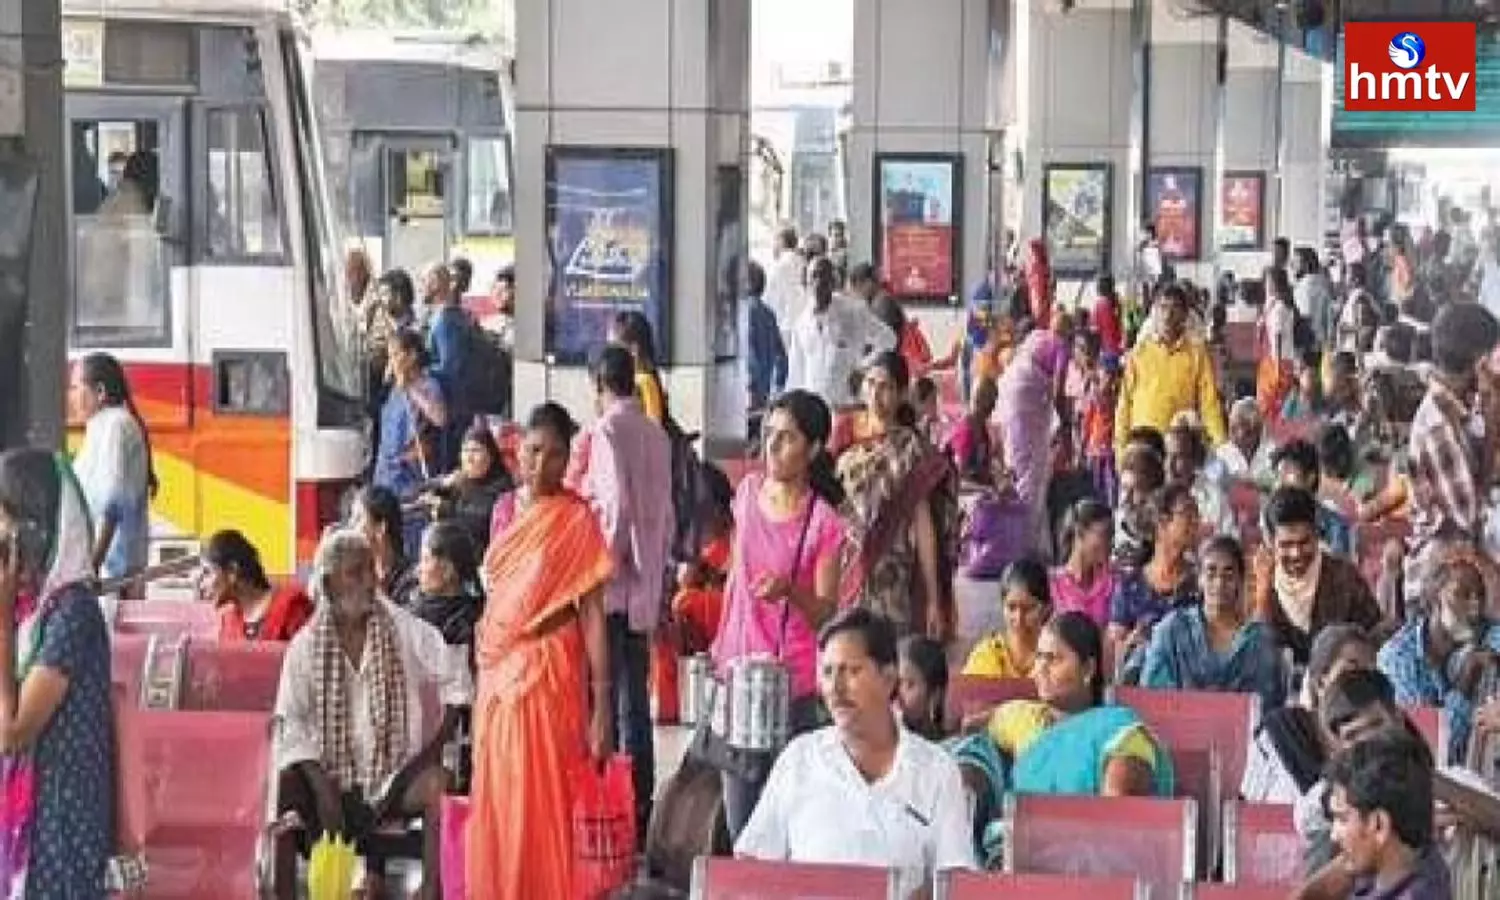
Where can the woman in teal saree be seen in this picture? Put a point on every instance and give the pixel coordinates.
(1070, 741)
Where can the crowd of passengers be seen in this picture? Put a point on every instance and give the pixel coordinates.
(531, 609)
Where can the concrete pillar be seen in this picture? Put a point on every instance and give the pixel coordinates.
(33, 338)
(1306, 134)
(1081, 108)
(1184, 111)
(640, 74)
(1296, 194)
(927, 80)
(1250, 132)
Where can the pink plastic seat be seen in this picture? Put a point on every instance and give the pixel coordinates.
(1238, 892)
(1200, 720)
(972, 694)
(168, 619)
(1149, 838)
(206, 779)
(1429, 721)
(1370, 541)
(1245, 505)
(1261, 845)
(240, 677)
(1002, 886)
(127, 663)
(1241, 342)
(721, 878)
(134, 817)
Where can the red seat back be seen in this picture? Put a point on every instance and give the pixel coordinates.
(206, 778)
(1200, 720)
(1150, 838)
(999, 886)
(168, 618)
(1245, 505)
(1369, 544)
(721, 878)
(970, 694)
(240, 677)
(1241, 342)
(1429, 721)
(1261, 845)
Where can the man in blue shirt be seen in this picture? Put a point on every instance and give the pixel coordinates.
(764, 350)
(450, 351)
(1447, 656)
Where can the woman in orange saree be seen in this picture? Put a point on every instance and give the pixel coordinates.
(540, 645)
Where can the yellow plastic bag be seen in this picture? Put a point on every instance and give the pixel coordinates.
(330, 869)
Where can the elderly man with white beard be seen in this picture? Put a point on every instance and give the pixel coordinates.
(350, 748)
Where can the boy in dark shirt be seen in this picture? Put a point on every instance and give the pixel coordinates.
(1380, 800)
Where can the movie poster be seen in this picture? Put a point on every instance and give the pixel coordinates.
(611, 243)
(1174, 201)
(1242, 209)
(1076, 217)
(917, 234)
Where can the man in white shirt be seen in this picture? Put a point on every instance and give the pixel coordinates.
(784, 286)
(830, 340)
(350, 747)
(864, 791)
(1247, 454)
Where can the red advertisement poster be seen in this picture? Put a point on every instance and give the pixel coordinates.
(919, 260)
(917, 246)
(1173, 203)
(1242, 211)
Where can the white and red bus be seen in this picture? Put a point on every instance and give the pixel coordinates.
(204, 256)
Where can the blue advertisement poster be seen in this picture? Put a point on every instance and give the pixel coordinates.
(608, 220)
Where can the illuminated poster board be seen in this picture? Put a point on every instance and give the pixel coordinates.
(1242, 211)
(1174, 199)
(1076, 217)
(609, 233)
(916, 231)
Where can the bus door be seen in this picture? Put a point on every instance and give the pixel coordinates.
(128, 234)
(419, 188)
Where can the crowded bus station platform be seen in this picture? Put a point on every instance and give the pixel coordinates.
(749, 449)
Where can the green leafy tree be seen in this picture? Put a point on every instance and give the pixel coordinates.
(483, 16)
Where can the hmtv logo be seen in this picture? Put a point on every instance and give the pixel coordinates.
(1409, 66)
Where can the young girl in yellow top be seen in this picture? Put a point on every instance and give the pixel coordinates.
(1027, 599)
(632, 331)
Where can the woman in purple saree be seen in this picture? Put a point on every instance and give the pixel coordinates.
(1028, 411)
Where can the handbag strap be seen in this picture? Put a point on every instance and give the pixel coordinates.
(786, 610)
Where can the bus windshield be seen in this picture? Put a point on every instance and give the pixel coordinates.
(488, 195)
(335, 333)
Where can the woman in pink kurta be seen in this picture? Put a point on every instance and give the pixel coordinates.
(784, 572)
(1085, 581)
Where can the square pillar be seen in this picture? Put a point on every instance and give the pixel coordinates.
(927, 78)
(33, 302)
(1184, 107)
(1081, 108)
(642, 74)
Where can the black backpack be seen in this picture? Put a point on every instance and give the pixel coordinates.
(697, 489)
(486, 374)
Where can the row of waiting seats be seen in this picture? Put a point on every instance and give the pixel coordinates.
(1203, 832)
(194, 720)
(719, 878)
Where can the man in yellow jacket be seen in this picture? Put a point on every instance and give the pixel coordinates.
(1169, 371)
